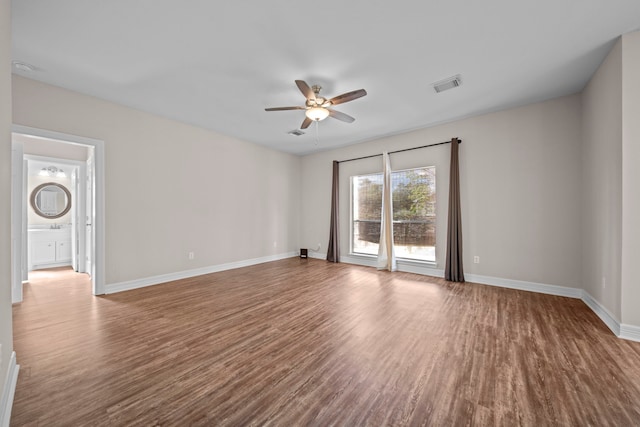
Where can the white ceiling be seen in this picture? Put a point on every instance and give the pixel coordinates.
(218, 64)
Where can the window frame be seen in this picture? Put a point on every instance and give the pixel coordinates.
(352, 220)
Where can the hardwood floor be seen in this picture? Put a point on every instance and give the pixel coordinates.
(306, 342)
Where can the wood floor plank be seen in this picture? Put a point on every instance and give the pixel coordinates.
(305, 342)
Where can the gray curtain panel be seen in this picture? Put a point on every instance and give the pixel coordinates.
(453, 266)
(333, 251)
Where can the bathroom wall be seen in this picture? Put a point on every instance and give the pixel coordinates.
(34, 180)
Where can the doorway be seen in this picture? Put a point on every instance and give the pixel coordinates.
(56, 208)
(84, 224)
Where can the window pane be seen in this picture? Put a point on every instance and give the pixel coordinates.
(414, 220)
(367, 210)
(414, 213)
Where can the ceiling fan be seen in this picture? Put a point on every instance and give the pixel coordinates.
(317, 107)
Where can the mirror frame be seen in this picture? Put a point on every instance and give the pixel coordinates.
(37, 210)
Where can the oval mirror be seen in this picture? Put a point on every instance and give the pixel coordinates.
(51, 200)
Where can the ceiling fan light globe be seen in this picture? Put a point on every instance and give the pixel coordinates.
(317, 113)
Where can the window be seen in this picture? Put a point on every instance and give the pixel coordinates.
(414, 213)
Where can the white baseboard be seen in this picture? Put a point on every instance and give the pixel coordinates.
(316, 255)
(412, 267)
(604, 314)
(541, 288)
(621, 330)
(9, 391)
(629, 332)
(163, 278)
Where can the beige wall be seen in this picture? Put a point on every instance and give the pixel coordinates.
(51, 148)
(520, 179)
(602, 183)
(611, 199)
(6, 339)
(172, 188)
(630, 177)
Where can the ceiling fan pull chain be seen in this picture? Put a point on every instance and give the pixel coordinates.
(317, 132)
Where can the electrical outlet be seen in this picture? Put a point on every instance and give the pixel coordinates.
(476, 259)
(192, 255)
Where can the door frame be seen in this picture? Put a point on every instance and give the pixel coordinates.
(98, 220)
(78, 207)
(18, 218)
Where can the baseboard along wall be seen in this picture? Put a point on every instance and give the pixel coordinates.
(8, 391)
(629, 332)
(163, 278)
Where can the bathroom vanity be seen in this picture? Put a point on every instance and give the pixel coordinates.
(49, 248)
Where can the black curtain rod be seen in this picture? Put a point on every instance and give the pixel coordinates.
(400, 151)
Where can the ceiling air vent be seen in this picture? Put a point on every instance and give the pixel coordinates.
(296, 132)
(448, 83)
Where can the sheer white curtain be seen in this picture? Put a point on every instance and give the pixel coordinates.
(386, 255)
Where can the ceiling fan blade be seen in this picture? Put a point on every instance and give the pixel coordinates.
(341, 116)
(283, 108)
(305, 123)
(349, 96)
(305, 89)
